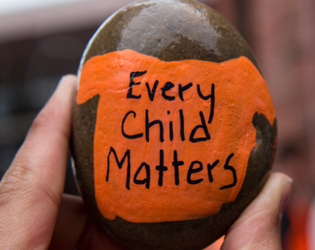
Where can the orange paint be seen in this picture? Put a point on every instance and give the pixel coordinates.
(186, 186)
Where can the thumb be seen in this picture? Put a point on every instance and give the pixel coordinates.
(258, 227)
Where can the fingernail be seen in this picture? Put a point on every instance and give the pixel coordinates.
(286, 193)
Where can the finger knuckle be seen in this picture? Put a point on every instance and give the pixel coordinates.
(40, 122)
(17, 180)
(46, 122)
(53, 197)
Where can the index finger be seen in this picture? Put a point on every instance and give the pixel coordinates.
(30, 191)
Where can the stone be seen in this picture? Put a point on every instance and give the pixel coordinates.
(146, 107)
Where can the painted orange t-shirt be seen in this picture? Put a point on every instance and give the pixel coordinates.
(172, 139)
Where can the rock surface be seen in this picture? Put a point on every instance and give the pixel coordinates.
(169, 30)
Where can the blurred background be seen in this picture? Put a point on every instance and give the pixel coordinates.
(41, 40)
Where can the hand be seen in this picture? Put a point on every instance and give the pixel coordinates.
(258, 227)
(35, 215)
(33, 212)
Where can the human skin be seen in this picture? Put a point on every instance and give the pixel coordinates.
(35, 214)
